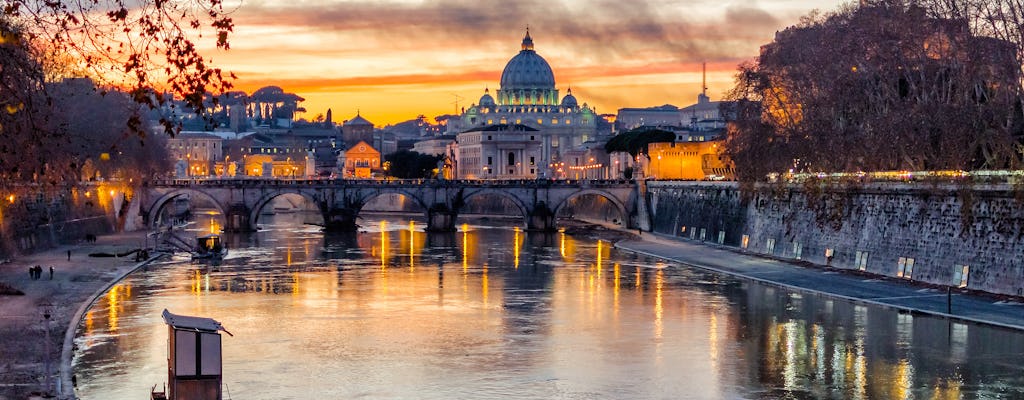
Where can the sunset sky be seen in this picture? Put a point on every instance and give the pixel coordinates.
(395, 60)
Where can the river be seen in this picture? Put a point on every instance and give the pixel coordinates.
(493, 312)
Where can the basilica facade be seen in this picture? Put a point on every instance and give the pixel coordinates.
(527, 97)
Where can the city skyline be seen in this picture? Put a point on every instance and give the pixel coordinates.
(393, 61)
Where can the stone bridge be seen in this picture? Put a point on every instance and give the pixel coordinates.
(340, 201)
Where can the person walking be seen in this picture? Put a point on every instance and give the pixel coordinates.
(32, 272)
(69, 255)
(51, 272)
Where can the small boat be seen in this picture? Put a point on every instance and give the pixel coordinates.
(209, 247)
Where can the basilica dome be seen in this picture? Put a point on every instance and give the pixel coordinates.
(486, 100)
(527, 70)
(569, 100)
(527, 78)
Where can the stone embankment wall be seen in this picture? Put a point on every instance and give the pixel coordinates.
(917, 231)
(37, 221)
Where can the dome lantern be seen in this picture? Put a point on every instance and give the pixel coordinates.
(527, 41)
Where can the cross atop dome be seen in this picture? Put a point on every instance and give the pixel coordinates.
(527, 41)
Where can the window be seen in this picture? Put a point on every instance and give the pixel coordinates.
(531, 161)
(511, 159)
(490, 161)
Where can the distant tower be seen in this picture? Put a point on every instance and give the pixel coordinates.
(330, 120)
(703, 98)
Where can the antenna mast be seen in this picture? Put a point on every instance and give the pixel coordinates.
(456, 102)
(704, 79)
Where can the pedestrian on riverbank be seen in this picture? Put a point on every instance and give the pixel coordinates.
(51, 272)
(32, 272)
(69, 255)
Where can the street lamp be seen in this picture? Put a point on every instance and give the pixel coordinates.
(47, 313)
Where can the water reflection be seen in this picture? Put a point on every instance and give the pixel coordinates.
(493, 312)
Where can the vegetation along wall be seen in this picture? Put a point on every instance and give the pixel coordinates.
(963, 236)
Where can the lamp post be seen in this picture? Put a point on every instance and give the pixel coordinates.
(47, 313)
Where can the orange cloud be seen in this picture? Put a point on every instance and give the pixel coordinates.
(396, 60)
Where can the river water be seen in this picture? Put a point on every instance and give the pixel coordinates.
(492, 312)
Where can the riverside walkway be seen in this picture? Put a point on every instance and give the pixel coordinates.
(1003, 311)
(75, 284)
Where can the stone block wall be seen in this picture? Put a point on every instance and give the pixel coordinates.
(871, 227)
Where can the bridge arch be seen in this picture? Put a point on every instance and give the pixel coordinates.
(158, 205)
(369, 195)
(619, 206)
(523, 208)
(254, 212)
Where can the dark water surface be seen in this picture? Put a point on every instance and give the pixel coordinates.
(491, 312)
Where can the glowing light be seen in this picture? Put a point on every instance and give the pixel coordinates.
(561, 247)
(383, 244)
(10, 199)
(113, 301)
(515, 248)
(465, 248)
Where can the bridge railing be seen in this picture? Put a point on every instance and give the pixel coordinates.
(389, 182)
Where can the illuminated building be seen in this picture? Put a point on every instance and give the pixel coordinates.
(499, 152)
(688, 161)
(528, 97)
(195, 153)
(361, 160)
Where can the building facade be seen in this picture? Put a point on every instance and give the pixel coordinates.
(195, 153)
(499, 152)
(361, 161)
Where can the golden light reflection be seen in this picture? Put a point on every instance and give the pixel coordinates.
(904, 380)
(860, 371)
(659, 281)
(88, 323)
(114, 302)
(195, 282)
(713, 341)
(412, 245)
(384, 244)
(948, 389)
(295, 284)
(515, 248)
(288, 256)
(599, 259)
(561, 247)
(465, 249)
(485, 285)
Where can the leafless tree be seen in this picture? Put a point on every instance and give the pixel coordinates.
(886, 85)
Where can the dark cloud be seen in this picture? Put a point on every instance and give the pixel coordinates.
(594, 31)
(750, 17)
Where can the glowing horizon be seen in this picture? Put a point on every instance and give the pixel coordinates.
(394, 61)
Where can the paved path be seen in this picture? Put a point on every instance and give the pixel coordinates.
(851, 285)
(74, 286)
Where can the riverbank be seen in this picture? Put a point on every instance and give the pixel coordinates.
(914, 297)
(77, 279)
